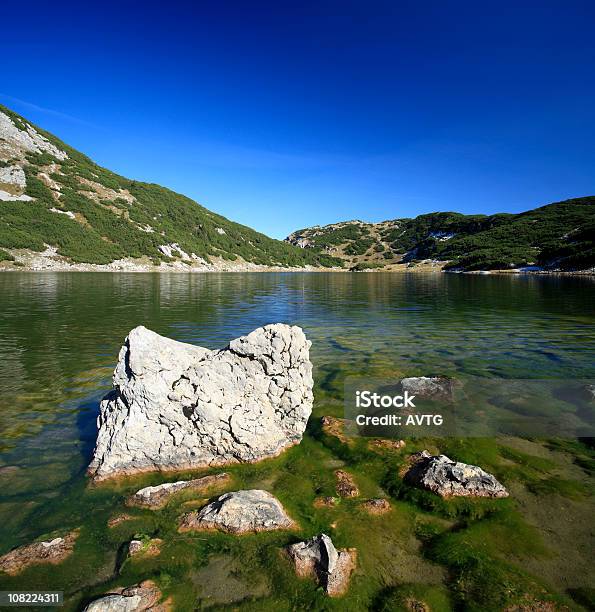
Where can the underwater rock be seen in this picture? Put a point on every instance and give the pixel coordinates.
(346, 486)
(325, 502)
(448, 478)
(240, 512)
(176, 406)
(376, 506)
(433, 387)
(333, 426)
(143, 597)
(318, 558)
(159, 495)
(147, 548)
(49, 551)
(116, 520)
(381, 444)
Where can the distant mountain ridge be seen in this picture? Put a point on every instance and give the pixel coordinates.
(58, 208)
(558, 236)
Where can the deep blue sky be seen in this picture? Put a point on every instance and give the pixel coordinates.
(282, 115)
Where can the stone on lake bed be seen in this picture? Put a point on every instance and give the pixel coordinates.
(240, 512)
(143, 597)
(158, 496)
(376, 506)
(146, 548)
(49, 551)
(176, 406)
(346, 486)
(434, 387)
(448, 478)
(318, 558)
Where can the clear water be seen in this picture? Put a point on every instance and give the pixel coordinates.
(60, 334)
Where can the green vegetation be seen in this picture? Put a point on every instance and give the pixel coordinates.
(559, 236)
(361, 267)
(110, 225)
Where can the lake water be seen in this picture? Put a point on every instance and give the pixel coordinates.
(60, 334)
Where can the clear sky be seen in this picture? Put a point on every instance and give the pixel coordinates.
(282, 115)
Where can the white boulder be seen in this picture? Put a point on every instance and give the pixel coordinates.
(177, 406)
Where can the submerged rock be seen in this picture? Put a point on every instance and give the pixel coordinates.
(382, 444)
(143, 597)
(116, 520)
(147, 548)
(449, 478)
(158, 496)
(240, 512)
(49, 551)
(376, 506)
(432, 387)
(326, 502)
(346, 486)
(318, 558)
(177, 406)
(333, 426)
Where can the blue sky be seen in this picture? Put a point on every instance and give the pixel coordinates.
(283, 115)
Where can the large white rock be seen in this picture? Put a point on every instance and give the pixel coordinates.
(177, 406)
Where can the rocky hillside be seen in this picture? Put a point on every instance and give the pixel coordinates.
(559, 236)
(58, 209)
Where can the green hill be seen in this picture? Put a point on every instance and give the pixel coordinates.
(52, 195)
(559, 236)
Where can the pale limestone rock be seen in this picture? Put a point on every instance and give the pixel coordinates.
(13, 175)
(240, 512)
(25, 138)
(448, 478)
(177, 406)
(158, 496)
(143, 597)
(318, 558)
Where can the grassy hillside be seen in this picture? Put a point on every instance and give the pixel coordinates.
(93, 215)
(556, 236)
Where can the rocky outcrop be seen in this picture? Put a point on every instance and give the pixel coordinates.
(158, 496)
(49, 551)
(143, 597)
(318, 558)
(430, 387)
(346, 486)
(447, 478)
(177, 406)
(240, 512)
(15, 140)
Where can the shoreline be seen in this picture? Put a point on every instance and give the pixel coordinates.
(256, 269)
(26, 260)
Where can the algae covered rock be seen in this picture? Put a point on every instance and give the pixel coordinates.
(318, 558)
(143, 597)
(177, 406)
(48, 551)
(448, 478)
(157, 496)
